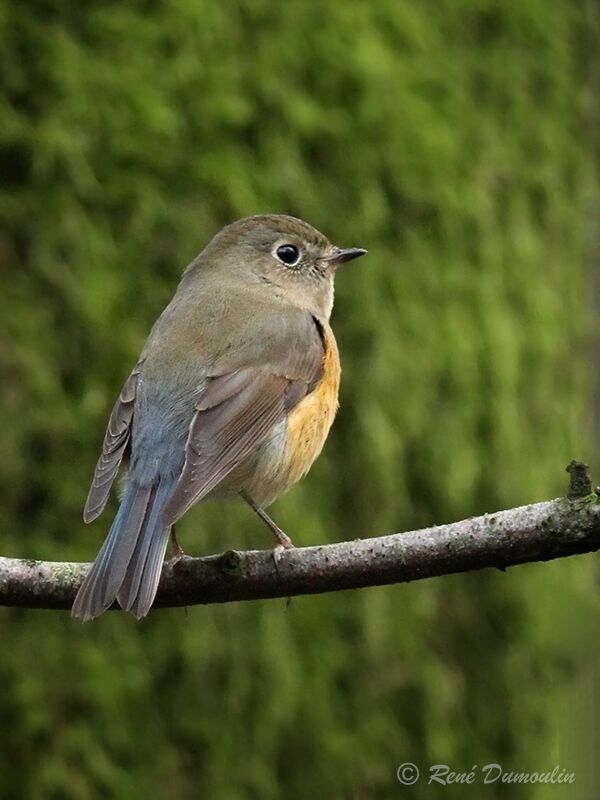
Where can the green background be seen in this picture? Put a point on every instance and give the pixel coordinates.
(458, 142)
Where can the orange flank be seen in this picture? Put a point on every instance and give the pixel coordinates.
(309, 422)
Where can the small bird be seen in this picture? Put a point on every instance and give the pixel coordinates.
(233, 395)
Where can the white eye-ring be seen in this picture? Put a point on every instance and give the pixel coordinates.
(288, 254)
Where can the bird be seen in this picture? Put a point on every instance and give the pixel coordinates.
(233, 396)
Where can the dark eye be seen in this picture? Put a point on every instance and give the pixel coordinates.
(289, 254)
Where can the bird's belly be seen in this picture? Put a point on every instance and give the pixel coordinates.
(294, 444)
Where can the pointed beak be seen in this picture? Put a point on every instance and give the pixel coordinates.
(340, 255)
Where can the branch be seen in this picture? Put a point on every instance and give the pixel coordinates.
(540, 532)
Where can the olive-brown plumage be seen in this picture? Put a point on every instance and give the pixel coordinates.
(233, 395)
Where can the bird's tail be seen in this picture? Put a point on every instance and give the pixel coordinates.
(129, 563)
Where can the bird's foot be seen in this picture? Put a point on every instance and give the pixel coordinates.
(280, 547)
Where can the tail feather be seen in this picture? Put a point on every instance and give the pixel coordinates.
(138, 588)
(136, 533)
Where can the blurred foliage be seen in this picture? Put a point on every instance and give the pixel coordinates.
(456, 141)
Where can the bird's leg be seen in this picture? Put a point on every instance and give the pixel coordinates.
(283, 540)
(176, 549)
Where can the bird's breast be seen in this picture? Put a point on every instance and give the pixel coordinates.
(295, 443)
(309, 422)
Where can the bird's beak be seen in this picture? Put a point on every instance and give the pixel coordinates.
(340, 255)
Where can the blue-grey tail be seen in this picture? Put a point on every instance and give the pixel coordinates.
(129, 563)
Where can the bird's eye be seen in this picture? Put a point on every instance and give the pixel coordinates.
(288, 254)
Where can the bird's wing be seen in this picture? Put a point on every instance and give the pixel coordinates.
(116, 439)
(236, 412)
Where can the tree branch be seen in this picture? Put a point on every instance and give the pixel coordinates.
(539, 532)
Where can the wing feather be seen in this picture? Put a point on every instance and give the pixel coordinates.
(223, 433)
(116, 439)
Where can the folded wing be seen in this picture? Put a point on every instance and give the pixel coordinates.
(234, 416)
